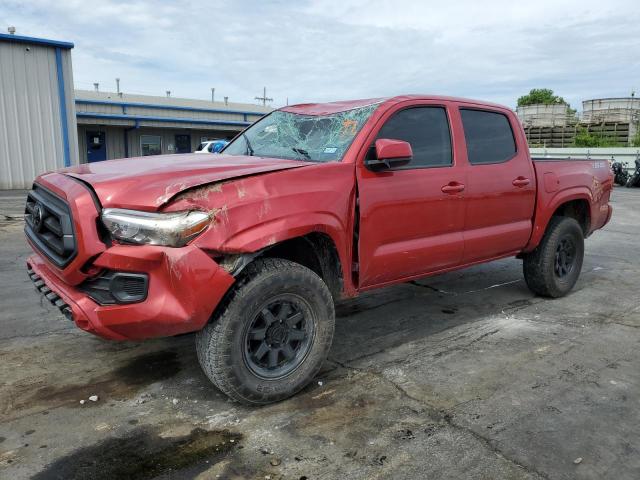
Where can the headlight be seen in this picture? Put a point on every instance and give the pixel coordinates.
(173, 229)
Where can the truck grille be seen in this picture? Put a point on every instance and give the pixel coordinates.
(49, 226)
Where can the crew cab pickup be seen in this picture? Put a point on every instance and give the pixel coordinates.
(310, 204)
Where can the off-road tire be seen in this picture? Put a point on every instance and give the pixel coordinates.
(221, 344)
(540, 265)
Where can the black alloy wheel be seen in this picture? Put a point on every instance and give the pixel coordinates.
(565, 256)
(279, 337)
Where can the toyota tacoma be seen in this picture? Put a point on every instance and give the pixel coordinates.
(310, 204)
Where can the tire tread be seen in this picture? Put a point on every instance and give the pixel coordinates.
(216, 338)
(538, 265)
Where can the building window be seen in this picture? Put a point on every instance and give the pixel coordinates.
(150, 145)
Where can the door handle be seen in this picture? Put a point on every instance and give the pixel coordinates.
(453, 187)
(521, 182)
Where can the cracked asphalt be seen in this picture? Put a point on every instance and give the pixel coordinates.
(464, 375)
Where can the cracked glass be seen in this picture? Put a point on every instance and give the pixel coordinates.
(317, 138)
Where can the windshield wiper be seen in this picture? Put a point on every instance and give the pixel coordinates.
(249, 149)
(302, 151)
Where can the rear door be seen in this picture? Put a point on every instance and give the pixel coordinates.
(501, 187)
(411, 217)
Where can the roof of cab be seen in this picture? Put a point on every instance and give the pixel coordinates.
(343, 105)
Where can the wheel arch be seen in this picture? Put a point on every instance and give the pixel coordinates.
(576, 203)
(316, 251)
(312, 247)
(578, 209)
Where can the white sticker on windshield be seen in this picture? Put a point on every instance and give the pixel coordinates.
(330, 149)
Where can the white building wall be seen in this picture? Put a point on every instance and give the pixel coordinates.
(625, 110)
(542, 115)
(31, 130)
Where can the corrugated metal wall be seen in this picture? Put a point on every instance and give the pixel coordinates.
(31, 136)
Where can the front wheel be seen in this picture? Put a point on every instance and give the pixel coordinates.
(272, 334)
(552, 269)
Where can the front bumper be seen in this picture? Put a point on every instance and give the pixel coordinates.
(185, 286)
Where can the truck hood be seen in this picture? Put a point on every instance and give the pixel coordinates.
(146, 183)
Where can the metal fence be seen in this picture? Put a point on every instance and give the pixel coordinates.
(625, 155)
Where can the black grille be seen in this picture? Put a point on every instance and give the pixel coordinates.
(49, 226)
(112, 287)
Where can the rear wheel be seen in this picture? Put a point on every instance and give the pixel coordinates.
(272, 334)
(553, 268)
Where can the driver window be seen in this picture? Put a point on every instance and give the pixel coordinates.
(427, 130)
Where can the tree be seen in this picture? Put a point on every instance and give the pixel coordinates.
(541, 96)
(584, 138)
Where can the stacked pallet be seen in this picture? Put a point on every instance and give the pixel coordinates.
(562, 137)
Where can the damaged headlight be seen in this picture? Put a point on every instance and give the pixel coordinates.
(172, 229)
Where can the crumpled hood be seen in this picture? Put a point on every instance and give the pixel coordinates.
(146, 183)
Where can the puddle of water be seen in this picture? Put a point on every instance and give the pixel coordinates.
(142, 455)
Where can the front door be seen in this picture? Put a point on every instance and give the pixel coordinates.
(183, 143)
(501, 184)
(412, 217)
(96, 147)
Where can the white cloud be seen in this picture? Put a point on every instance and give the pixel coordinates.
(336, 49)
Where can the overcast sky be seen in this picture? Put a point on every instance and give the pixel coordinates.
(323, 50)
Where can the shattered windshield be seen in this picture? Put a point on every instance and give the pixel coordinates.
(318, 138)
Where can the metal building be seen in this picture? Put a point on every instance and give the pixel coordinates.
(37, 112)
(116, 125)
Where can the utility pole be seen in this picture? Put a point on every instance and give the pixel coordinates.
(118, 86)
(264, 99)
(213, 95)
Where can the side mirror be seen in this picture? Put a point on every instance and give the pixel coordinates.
(390, 153)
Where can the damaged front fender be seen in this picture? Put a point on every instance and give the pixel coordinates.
(255, 213)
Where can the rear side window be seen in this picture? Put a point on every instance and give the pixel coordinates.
(489, 137)
(427, 130)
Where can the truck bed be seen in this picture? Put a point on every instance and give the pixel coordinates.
(571, 179)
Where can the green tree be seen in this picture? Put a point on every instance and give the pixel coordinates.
(584, 138)
(541, 96)
(635, 142)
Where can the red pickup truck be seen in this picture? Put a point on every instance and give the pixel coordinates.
(310, 204)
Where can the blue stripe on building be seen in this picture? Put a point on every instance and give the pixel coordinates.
(63, 107)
